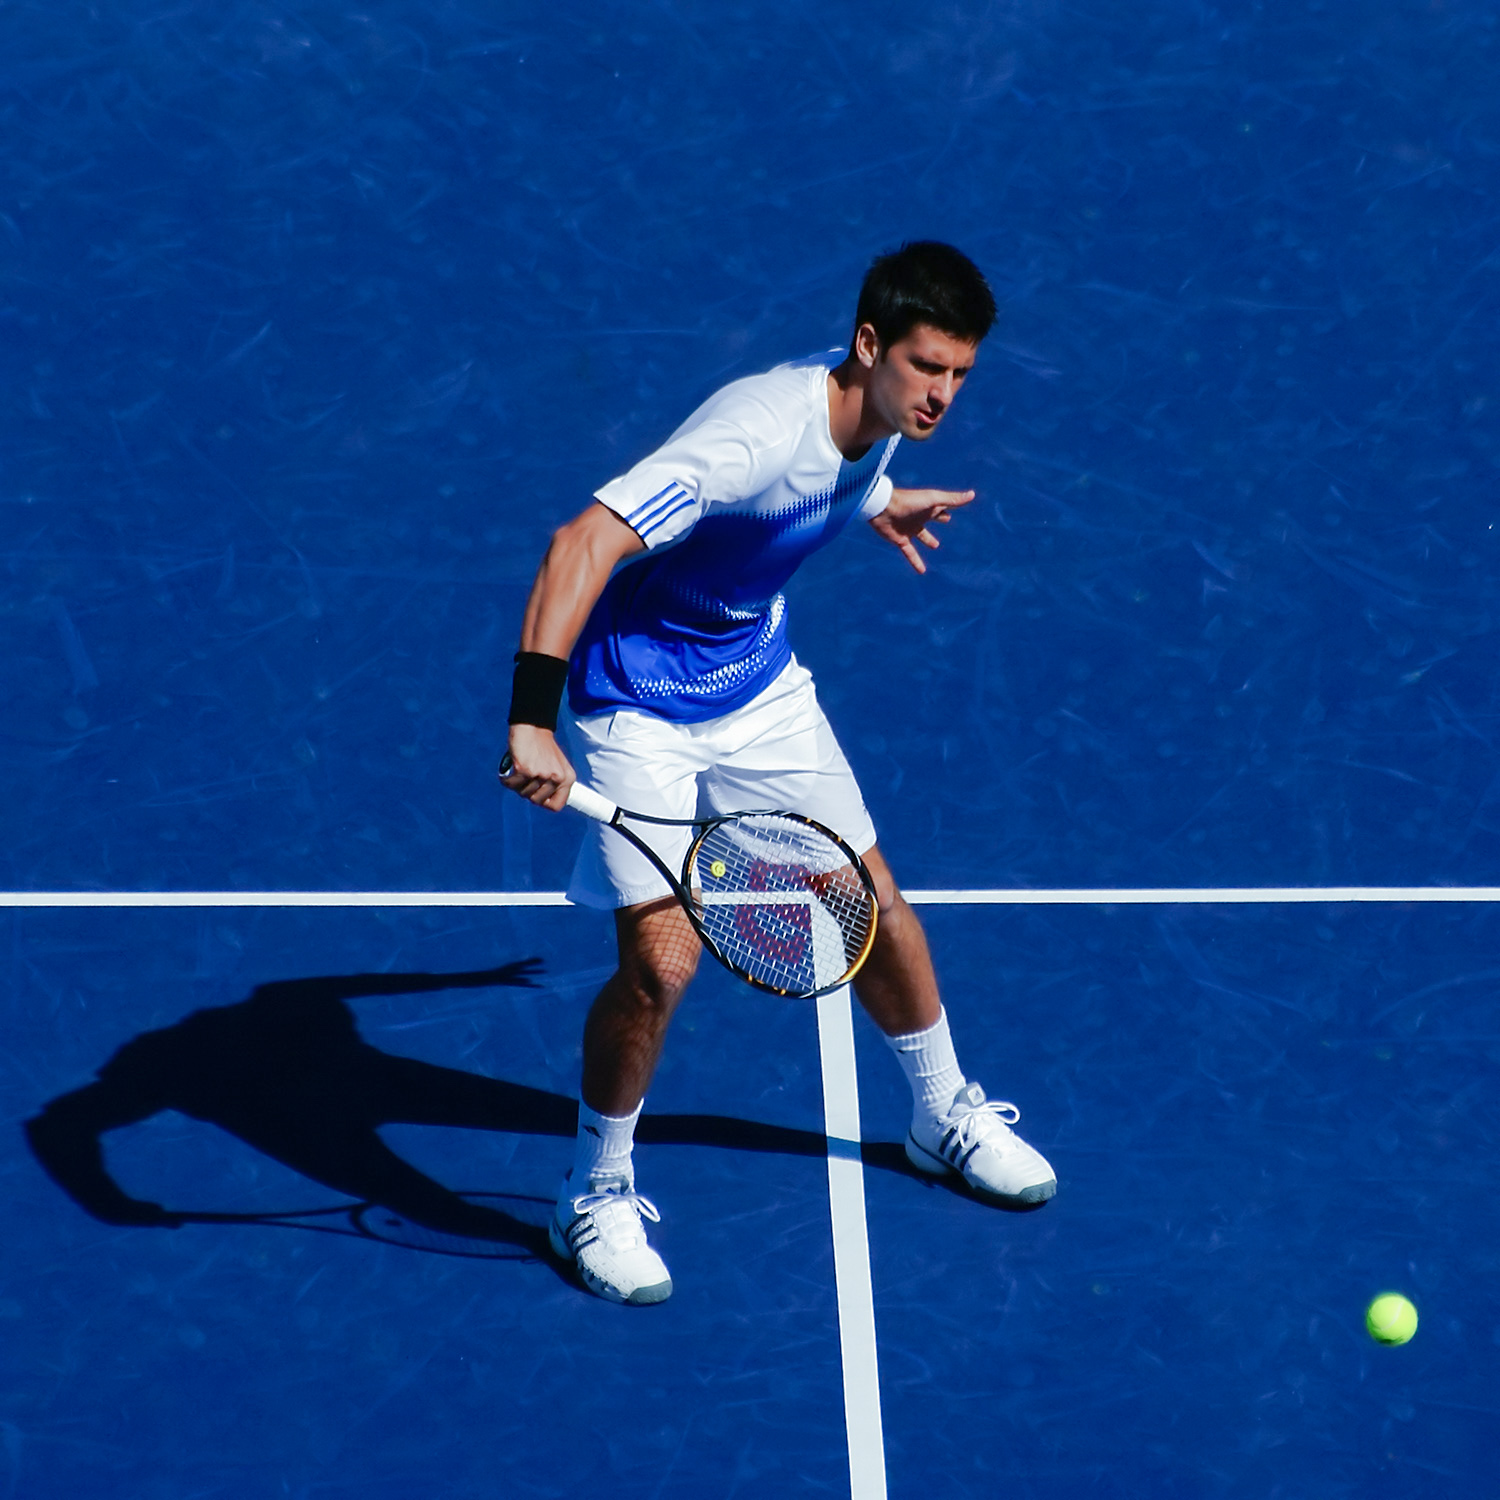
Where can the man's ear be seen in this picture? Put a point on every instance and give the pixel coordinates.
(867, 345)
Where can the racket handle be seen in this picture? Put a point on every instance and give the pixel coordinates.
(586, 800)
(581, 798)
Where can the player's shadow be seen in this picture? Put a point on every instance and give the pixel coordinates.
(287, 1072)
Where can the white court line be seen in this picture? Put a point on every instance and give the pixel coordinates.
(1233, 895)
(281, 898)
(851, 1248)
(1103, 896)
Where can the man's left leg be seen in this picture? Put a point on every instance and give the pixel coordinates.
(954, 1127)
(780, 752)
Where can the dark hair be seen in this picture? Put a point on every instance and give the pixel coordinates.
(925, 281)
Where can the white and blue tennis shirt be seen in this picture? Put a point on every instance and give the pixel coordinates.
(728, 507)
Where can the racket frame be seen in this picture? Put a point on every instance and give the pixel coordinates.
(694, 907)
(592, 804)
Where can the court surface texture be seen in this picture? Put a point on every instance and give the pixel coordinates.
(317, 321)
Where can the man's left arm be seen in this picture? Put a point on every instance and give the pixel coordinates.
(910, 516)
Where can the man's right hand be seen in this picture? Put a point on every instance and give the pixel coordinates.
(540, 772)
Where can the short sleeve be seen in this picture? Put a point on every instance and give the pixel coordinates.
(732, 447)
(880, 491)
(657, 518)
(878, 498)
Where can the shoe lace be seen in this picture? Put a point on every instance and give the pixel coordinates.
(975, 1122)
(617, 1212)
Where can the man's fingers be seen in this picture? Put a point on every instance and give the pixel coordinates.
(912, 556)
(927, 539)
(937, 505)
(549, 791)
(512, 777)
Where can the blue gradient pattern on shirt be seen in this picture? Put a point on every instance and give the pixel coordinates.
(699, 629)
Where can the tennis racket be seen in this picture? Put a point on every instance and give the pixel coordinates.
(777, 898)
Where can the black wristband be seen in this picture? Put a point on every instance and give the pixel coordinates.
(537, 688)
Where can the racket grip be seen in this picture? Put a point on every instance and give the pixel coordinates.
(586, 800)
(581, 798)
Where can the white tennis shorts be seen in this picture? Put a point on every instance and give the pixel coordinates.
(776, 752)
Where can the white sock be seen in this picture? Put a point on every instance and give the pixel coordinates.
(603, 1149)
(931, 1067)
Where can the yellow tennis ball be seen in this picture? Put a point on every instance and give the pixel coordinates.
(718, 869)
(1391, 1319)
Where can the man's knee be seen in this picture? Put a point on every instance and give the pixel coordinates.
(661, 978)
(659, 952)
(887, 896)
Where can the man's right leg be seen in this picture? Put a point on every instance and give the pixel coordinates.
(627, 1025)
(598, 1220)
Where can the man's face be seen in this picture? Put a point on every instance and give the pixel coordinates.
(916, 381)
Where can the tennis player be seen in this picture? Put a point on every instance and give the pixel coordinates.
(686, 700)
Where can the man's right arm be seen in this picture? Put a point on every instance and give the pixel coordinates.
(573, 574)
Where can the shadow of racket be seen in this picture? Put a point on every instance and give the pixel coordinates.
(520, 1232)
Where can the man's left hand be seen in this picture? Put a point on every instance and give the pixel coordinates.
(911, 513)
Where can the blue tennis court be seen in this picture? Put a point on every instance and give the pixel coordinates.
(316, 323)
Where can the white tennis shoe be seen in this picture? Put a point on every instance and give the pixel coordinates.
(601, 1232)
(975, 1140)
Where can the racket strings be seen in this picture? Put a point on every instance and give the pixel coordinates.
(782, 902)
